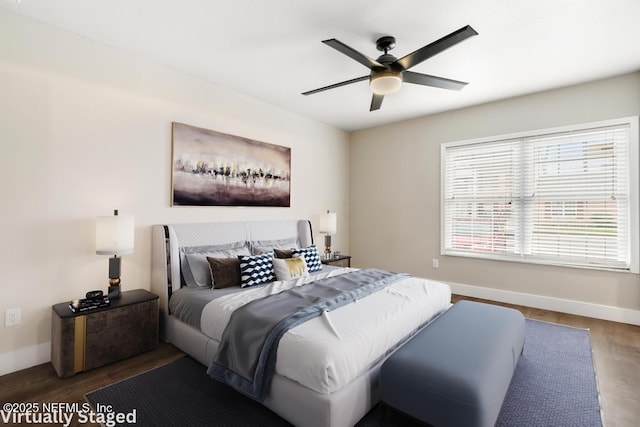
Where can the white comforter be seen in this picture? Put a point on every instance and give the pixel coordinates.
(326, 353)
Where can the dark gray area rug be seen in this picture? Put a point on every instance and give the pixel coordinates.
(554, 385)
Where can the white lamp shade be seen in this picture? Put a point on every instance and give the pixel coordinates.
(328, 223)
(385, 82)
(114, 234)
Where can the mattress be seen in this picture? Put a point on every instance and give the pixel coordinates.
(326, 353)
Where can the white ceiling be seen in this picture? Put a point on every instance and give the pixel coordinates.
(271, 49)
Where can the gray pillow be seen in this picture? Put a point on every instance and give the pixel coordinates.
(265, 246)
(194, 264)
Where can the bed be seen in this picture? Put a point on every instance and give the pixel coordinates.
(327, 367)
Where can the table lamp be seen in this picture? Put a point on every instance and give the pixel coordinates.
(114, 236)
(328, 226)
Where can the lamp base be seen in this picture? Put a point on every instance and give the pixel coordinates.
(114, 277)
(327, 246)
(114, 292)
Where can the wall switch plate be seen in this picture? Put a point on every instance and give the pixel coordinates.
(13, 316)
(435, 263)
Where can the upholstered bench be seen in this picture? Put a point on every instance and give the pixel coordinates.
(456, 371)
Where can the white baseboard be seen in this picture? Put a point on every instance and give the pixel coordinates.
(23, 358)
(580, 308)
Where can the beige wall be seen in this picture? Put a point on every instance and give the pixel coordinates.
(395, 196)
(85, 129)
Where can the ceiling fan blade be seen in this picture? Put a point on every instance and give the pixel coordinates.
(333, 86)
(436, 47)
(353, 54)
(376, 102)
(427, 80)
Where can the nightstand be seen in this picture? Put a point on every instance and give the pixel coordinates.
(340, 261)
(87, 340)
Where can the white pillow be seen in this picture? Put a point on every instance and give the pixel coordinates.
(288, 268)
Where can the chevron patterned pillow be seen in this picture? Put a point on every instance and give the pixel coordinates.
(311, 257)
(256, 269)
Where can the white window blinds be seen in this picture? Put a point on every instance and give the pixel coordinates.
(562, 198)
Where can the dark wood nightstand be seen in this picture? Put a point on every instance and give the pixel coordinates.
(87, 340)
(340, 261)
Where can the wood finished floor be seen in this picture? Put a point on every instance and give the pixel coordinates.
(616, 353)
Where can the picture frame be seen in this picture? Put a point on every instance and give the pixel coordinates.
(211, 168)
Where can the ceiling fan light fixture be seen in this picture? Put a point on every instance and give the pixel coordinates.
(385, 82)
(387, 73)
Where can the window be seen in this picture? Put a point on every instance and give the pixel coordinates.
(564, 196)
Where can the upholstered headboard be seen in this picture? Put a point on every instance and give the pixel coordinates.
(169, 238)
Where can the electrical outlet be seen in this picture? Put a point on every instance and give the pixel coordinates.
(13, 316)
(435, 263)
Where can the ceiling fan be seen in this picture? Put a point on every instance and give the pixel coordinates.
(388, 73)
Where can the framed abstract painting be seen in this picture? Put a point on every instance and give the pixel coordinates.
(211, 168)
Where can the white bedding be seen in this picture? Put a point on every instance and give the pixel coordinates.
(326, 353)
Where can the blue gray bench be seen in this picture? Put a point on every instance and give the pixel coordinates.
(456, 371)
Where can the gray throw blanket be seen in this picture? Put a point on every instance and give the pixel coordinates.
(246, 357)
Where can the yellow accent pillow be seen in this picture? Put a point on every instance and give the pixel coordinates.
(289, 268)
